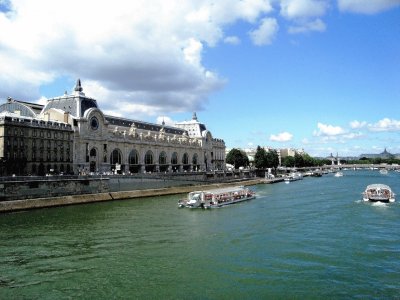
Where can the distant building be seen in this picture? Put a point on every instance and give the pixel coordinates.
(71, 134)
(383, 155)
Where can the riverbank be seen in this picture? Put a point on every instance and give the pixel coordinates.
(27, 204)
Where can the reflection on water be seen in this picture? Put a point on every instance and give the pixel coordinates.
(312, 238)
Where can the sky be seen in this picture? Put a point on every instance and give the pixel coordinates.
(318, 75)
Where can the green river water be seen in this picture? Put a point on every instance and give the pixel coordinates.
(310, 239)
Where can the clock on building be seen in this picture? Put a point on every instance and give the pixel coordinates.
(94, 123)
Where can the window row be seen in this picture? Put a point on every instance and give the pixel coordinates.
(39, 133)
(150, 159)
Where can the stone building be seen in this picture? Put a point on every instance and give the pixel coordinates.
(103, 143)
(33, 146)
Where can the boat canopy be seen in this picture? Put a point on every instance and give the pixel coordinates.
(378, 186)
(225, 190)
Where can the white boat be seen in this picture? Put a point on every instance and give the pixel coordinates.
(339, 174)
(293, 177)
(383, 171)
(217, 197)
(378, 192)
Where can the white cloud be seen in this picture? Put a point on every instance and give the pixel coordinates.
(141, 52)
(385, 124)
(301, 27)
(147, 53)
(353, 135)
(357, 124)
(232, 40)
(167, 120)
(304, 14)
(367, 7)
(301, 9)
(265, 33)
(281, 137)
(192, 52)
(328, 130)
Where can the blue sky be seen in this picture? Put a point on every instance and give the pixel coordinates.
(321, 75)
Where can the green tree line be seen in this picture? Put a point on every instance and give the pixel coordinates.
(269, 159)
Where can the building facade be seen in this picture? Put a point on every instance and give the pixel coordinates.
(101, 143)
(32, 146)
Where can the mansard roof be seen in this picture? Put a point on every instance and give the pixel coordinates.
(76, 104)
(143, 125)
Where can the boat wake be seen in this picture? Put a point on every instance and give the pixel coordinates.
(375, 204)
(380, 204)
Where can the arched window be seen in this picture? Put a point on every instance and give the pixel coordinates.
(162, 159)
(116, 157)
(174, 158)
(116, 161)
(93, 152)
(185, 159)
(194, 159)
(148, 158)
(133, 157)
(134, 166)
(162, 162)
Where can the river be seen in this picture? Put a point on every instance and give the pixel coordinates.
(312, 238)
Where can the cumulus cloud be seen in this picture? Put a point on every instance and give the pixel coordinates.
(304, 14)
(328, 130)
(367, 7)
(149, 54)
(300, 9)
(357, 124)
(353, 135)
(167, 120)
(232, 40)
(385, 124)
(265, 33)
(138, 56)
(281, 137)
(302, 27)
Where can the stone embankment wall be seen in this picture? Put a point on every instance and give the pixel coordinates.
(42, 187)
(20, 193)
(14, 205)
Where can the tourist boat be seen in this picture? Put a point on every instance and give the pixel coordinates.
(378, 192)
(338, 174)
(316, 173)
(217, 197)
(293, 177)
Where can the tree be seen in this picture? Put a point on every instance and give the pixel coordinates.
(298, 160)
(309, 161)
(288, 161)
(260, 158)
(272, 159)
(237, 158)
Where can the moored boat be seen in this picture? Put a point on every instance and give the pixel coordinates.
(293, 177)
(378, 192)
(217, 197)
(316, 173)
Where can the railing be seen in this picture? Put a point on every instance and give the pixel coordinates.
(218, 175)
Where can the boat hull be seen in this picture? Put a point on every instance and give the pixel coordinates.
(222, 204)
